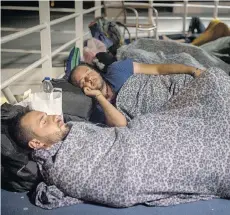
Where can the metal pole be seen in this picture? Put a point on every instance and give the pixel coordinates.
(45, 37)
(79, 28)
(92, 9)
(22, 33)
(21, 51)
(150, 14)
(9, 95)
(215, 12)
(19, 8)
(139, 5)
(65, 10)
(31, 51)
(185, 15)
(156, 31)
(23, 72)
(63, 19)
(97, 12)
(58, 50)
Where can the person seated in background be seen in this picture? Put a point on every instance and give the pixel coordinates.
(104, 86)
(196, 27)
(216, 29)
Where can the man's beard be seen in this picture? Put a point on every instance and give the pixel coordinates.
(65, 132)
(57, 136)
(102, 85)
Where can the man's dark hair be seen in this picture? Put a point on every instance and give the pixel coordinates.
(74, 70)
(21, 134)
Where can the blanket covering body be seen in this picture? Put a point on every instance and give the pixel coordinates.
(178, 154)
(178, 151)
(160, 52)
(143, 94)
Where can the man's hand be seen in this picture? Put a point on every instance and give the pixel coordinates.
(165, 69)
(197, 72)
(91, 93)
(113, 117)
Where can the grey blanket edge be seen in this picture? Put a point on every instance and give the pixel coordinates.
(162, 51)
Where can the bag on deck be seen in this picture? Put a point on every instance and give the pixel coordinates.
(110, 31)
(19, 172)
(73, 60)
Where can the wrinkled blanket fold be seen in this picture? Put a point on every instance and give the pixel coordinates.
(143, 94)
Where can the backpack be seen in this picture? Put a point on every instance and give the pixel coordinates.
(97, 33)
(111, 30)
(72, 61)
(19, 172)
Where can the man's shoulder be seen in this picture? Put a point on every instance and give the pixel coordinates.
(122, 66)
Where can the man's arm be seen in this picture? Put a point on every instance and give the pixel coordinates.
(113, 117)
(165, 69)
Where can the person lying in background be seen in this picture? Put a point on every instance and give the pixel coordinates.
(104, 87)
(216, 29)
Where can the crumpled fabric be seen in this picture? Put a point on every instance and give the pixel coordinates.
(93, 47)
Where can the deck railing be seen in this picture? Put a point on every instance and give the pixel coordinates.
(77, 14)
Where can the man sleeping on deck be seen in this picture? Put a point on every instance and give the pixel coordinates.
(104, 87)
(146, 68)
(176, 155)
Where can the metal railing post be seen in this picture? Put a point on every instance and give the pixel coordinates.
(45, 37)
(97, 12)
(9, 95)
(79, 28)
(215, 12)
(185, 15)
(150, 13)
(23, 72)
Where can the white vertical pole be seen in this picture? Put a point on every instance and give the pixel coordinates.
(215, 12)
(9, 96)
(79, 27)
(150, 13)
(44, 16)
(185, 16)
(97, 12)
